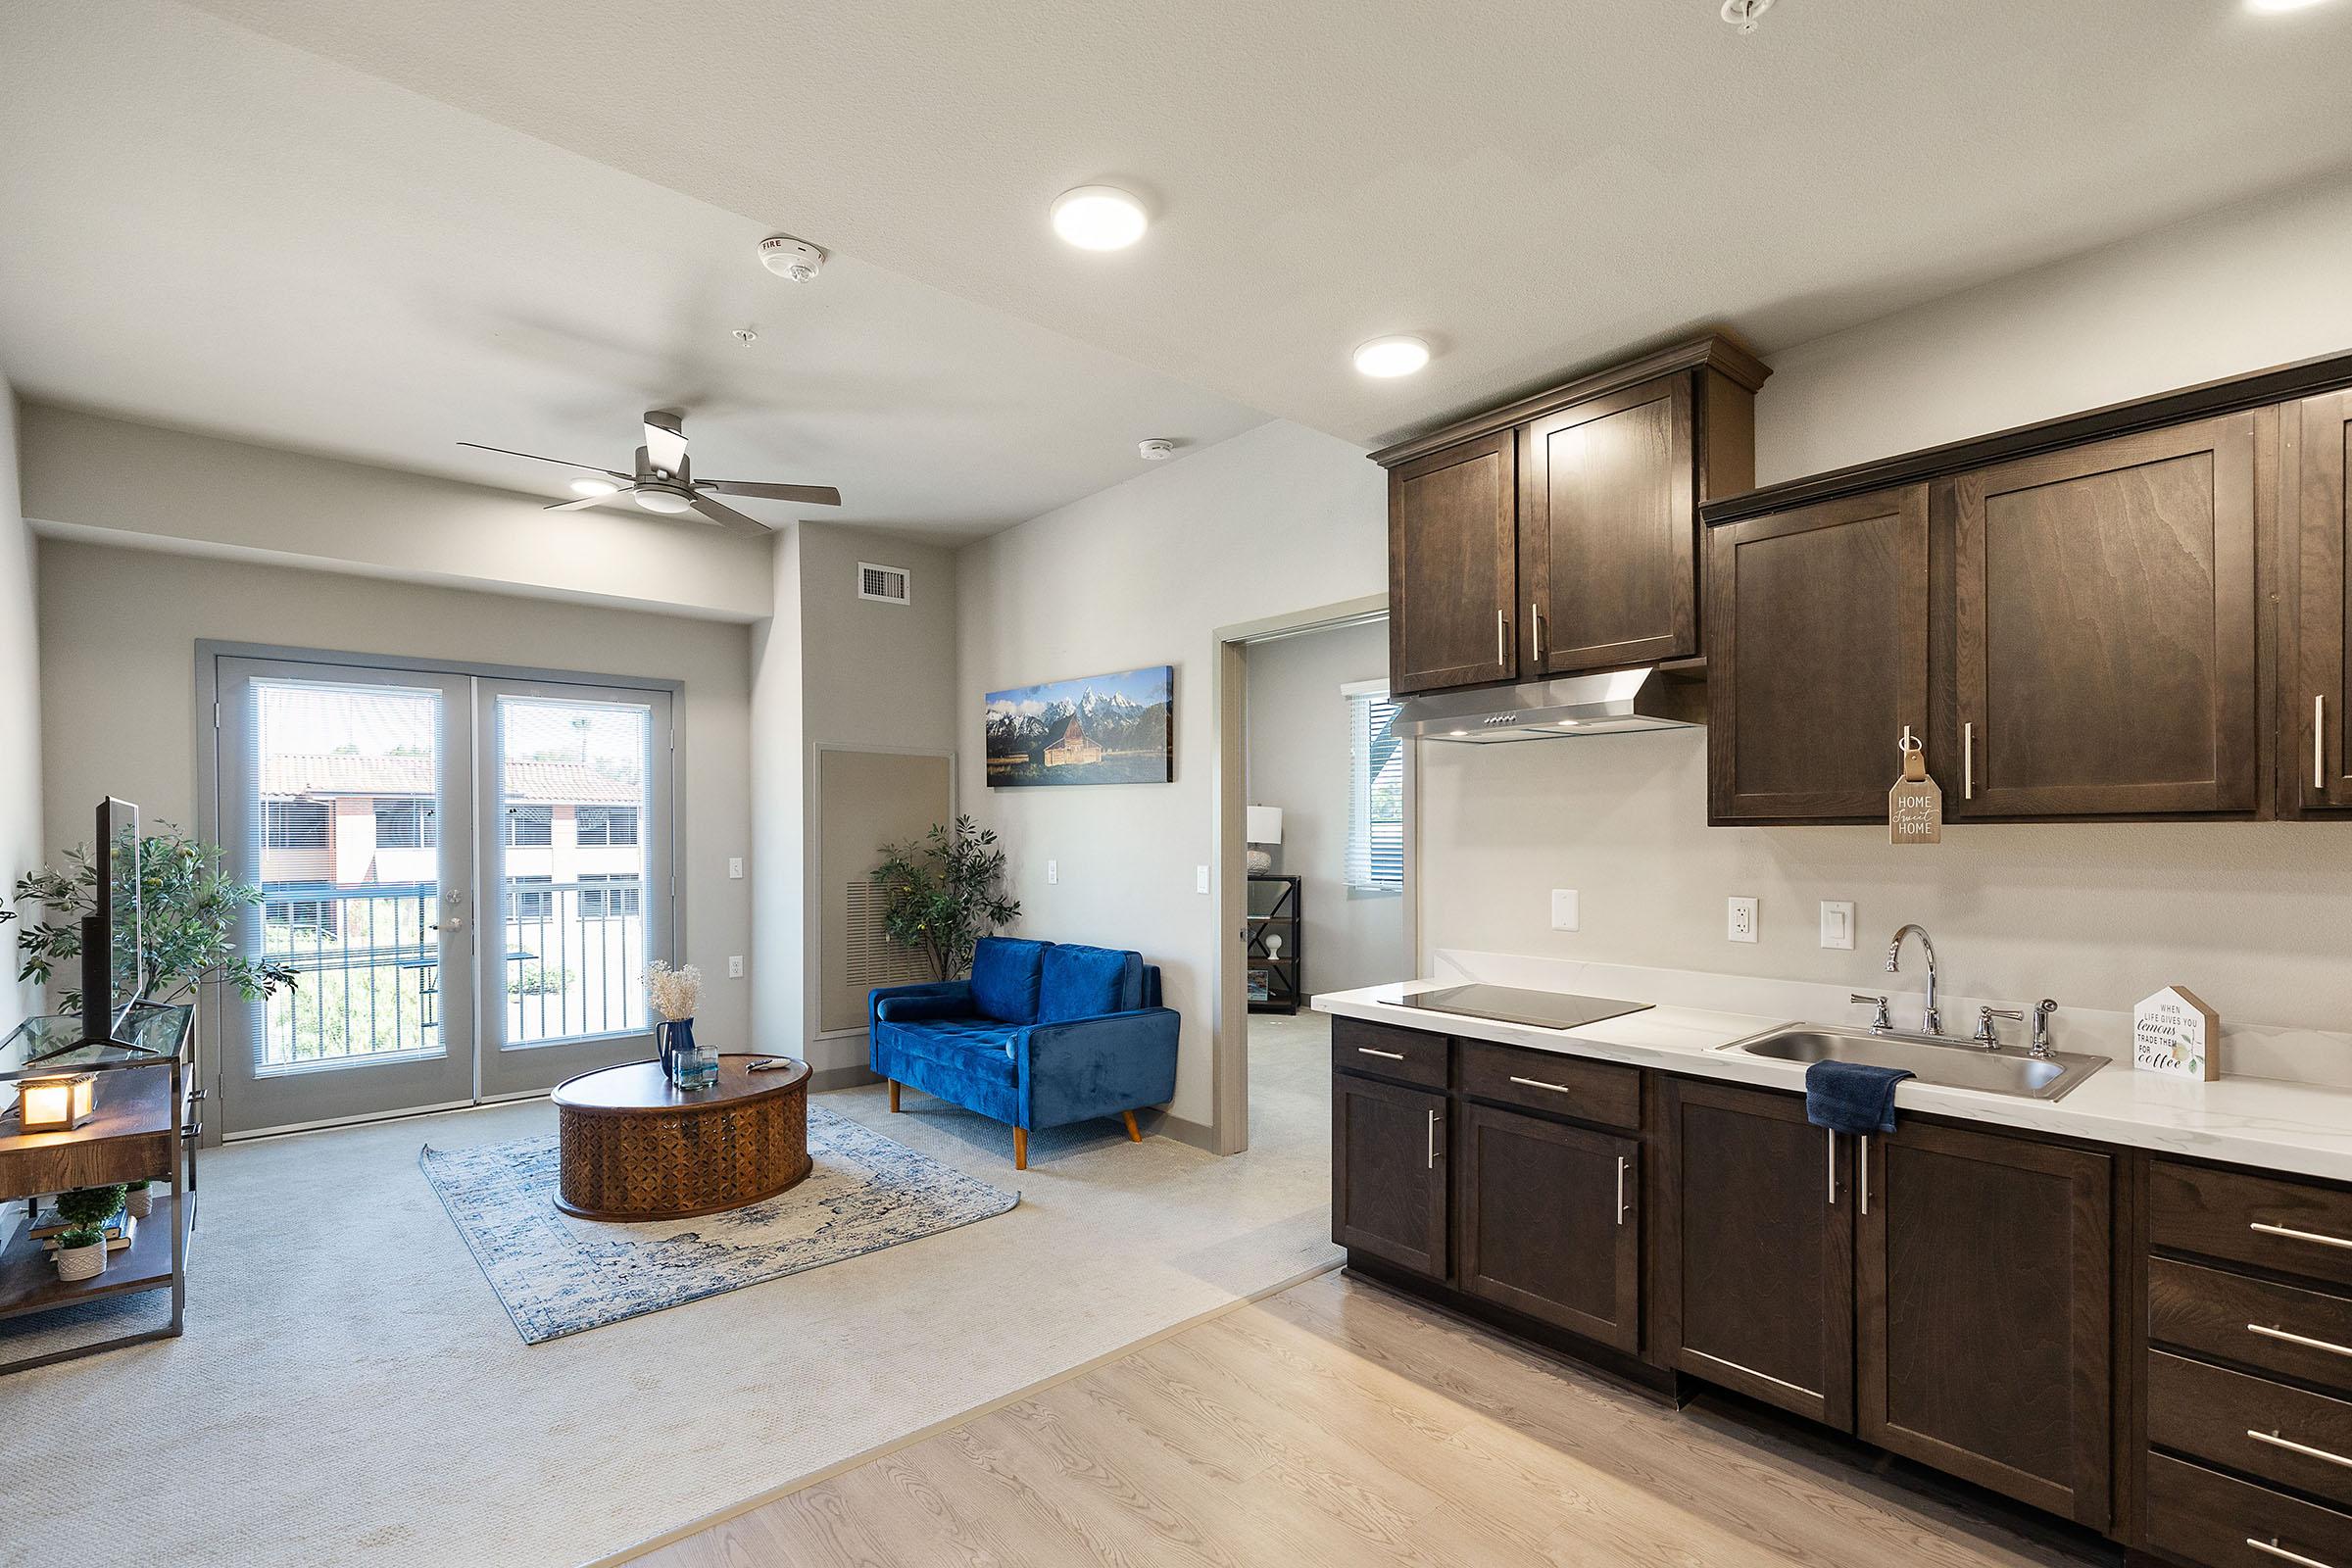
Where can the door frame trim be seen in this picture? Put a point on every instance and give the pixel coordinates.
(205, 721)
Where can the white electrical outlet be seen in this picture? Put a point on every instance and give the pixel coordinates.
(1563, 908)
(735, 866)
(735, 967)
(1200, 879)
(1837, 924)
(1053, 872)
(1742, 926)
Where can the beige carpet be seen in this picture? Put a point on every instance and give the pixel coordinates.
(350, 1390)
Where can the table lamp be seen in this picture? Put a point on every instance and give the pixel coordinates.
(56, 1105)
(1264, 827)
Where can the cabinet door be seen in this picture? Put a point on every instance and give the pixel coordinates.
(1608, 539)
(1453, 579)
(2104, 627)
(2316, 687)
(1388, 1149)
(1985, 1331)
(1756, 1278)
(1817, 630)
(1550, 1222)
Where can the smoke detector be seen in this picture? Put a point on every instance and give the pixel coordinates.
(1157, 450)
(1745, 14)
(791, 258)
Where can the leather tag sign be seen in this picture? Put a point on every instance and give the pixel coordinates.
(1915, 805)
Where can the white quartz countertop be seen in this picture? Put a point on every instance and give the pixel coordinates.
(2272, 1124)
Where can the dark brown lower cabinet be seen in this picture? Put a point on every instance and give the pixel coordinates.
(1549, 1222)
(1388, 1150)
(1984, 1328)
(1756, 1283)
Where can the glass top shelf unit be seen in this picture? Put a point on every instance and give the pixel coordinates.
(53, 1043)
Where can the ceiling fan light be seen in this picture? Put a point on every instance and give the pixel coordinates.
(592, 487)
(652, 500)
(1098, 218)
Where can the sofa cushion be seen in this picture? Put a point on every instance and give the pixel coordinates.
(970, 1062)
(1004, 978)
(1081, 982)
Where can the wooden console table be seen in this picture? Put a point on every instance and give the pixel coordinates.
(145, 1105)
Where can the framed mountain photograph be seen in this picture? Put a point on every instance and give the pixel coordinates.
(1103, 730)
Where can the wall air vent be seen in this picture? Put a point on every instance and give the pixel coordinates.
(885, 585)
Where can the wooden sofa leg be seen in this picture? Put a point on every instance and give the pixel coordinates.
(893, 1094)
(1020, 1149)
(1135, 1134)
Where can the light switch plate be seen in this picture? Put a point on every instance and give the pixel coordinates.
(1563, 908)
(1742, 922)
(1053, 872)
(735, 866)
(1200, 879)
(1837, 924)
(735, 967)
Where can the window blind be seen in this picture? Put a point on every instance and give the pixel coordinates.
(1375, 793)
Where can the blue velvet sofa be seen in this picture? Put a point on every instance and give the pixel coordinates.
(1043, 1034)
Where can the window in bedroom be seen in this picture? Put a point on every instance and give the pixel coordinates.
(1374, 790)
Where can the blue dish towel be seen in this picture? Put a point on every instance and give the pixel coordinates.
(1848, 1097)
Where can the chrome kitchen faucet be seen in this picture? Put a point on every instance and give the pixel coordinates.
(1932, 1025)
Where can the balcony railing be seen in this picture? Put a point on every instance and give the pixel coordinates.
(367, 967)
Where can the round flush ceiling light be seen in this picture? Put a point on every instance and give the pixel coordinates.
(592, 487)
(1098, 218)
(1392, 356)
(652, 500)
(2272, 8)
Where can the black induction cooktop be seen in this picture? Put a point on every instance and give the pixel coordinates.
(1546, 1010)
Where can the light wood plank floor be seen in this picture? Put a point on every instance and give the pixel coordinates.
(1339, 1424)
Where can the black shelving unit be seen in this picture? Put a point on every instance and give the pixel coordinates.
(1276, 903)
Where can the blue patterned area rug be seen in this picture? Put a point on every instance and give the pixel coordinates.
(557, 1275)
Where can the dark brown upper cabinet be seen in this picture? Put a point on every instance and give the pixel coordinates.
(1986, 1332)
(1453, 526)
(1559, 533)
(1607, 546)
(1817, 657)
(2104, 628)
(2315, 687)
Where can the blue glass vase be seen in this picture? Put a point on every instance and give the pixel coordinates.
(676, 1037)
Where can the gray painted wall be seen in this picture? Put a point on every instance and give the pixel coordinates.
(21, 827)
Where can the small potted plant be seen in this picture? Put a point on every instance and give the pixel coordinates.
(138, 1199)
(81, 1245)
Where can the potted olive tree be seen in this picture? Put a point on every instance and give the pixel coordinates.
(81, 1245)
(945, 892)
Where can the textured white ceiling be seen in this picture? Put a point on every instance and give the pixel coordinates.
(1535, 184)
(204, 228)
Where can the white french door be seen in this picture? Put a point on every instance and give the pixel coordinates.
(467, 873)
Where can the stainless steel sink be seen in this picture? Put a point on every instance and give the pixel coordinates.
(1931, 1058)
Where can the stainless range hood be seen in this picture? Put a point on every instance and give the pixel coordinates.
(1614, 704)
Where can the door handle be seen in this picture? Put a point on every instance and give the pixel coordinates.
(2319, 741)
(1537, 1083)
(1386, 1056)
(1502, 632)
(2303, 1448)
(2272, 1548)
(2303, 1339)
(1866, 1174)
(1534, 630)
(1432, 1140)
(2293, 1235)
(1833, 1170)
(1621, 1189)
(1968, 762)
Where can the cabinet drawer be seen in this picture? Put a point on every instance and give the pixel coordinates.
(2225, 1523)
(2296, 1334)
(1561, 1085)
(2265, 1428)
(2252, 1219)
(1409, 1055)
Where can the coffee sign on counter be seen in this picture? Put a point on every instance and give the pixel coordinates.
(1915, 805)
(2173, 1032)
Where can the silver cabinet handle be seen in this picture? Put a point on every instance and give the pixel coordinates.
(1537, 1083)
(2319, 741)
(1866, 1173)
(2292, 1447)
(1833, 1170)
(1433, 1141)
(1968, 762)
(2275, 1550)
(1619, 1188)
(2289, 1232)
(1535, 629)
(2305, 1340)
(1384, 1055)
(1503, 630)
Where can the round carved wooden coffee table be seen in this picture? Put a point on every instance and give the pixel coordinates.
(633, 1147)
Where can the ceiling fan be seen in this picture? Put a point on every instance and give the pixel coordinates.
(663, 480)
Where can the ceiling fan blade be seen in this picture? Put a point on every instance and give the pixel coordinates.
(564, 463)
(664, 440)
(817, 495)
(587, 501)
(729, 518)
